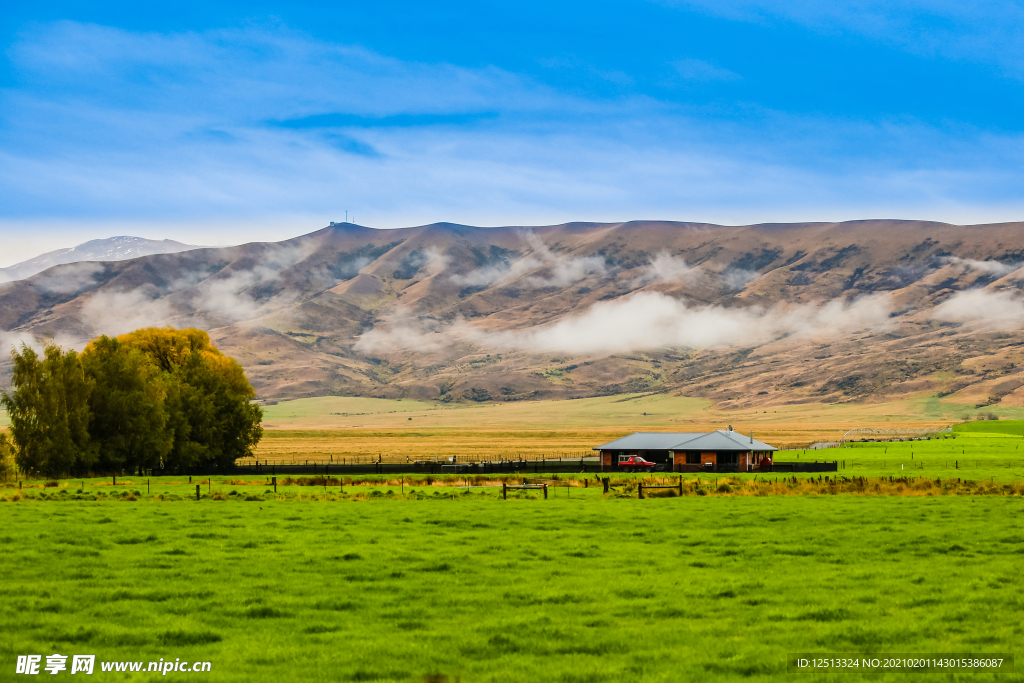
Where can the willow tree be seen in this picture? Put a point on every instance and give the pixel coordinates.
(6, 453)
(128, 420)
(156, 397)
(209, 400)
(49, 412)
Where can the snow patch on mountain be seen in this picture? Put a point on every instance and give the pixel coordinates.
(119, 248)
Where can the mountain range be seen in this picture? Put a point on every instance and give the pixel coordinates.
(746, 316)
(110, 249)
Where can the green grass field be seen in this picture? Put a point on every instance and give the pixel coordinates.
(977, 450)
(398, 580)
(568, 589)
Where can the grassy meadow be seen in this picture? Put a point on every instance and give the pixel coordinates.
(470, 588)
(916, 549)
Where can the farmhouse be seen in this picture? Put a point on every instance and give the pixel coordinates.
(718, 451)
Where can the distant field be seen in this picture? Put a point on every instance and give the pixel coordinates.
(629, 410)
(322, 429)
(787, 425)
(472, 589)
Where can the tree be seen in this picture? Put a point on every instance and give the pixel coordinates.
(170, 348)
(128, 419)
(6, 453)
(49, 412)
(152, 398)
(209, 410)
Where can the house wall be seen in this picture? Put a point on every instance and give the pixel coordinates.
(679, 457)
(709, 457)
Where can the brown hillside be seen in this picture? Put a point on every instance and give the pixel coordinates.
(750, 315)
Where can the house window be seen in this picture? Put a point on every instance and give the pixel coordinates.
(693, 458)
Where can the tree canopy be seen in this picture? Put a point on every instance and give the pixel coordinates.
(153, 398)
(49, 412)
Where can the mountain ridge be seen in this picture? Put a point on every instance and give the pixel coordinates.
(116, 248)
(742, 315)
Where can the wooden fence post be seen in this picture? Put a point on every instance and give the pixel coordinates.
(640, 490)
(680, 487)
(197, 491)
(504, 491)
(545, 491)
(274, 480)
(605, 481)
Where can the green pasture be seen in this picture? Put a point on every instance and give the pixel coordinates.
(473, 589)
(977, 450)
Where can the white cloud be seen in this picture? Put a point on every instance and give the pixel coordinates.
(738, 278)
(430, 261)
(222, 126)
(196, 299)
(987, 31)
(400, 330)
(1001, 308)
(68, 279)
(558, 270)
(114, 313)
(228, 297)
(10, 341)
(996, 268)
(437, 261)
(497, 273)
(643, 321)
(665, 267)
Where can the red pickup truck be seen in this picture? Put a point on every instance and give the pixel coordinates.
(635, 463)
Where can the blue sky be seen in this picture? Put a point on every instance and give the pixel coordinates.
(223, 122)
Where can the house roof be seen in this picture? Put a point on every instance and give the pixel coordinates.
(720, 440)
(648, 441)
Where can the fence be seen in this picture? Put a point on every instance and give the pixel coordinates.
(803, 467)
(551, 466)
